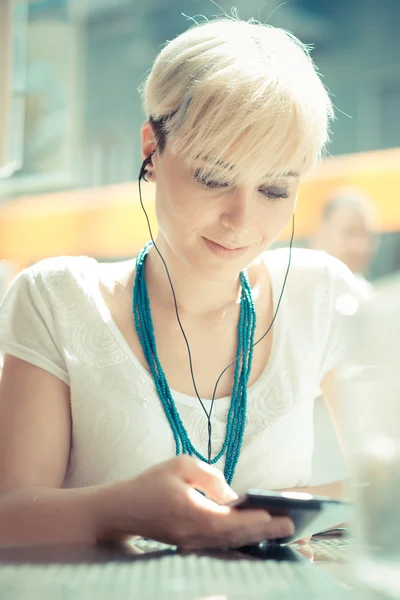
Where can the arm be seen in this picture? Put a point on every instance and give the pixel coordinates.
(335, 489)
(35, 430)
(33, 515)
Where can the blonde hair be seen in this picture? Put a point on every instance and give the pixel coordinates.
(242, 93)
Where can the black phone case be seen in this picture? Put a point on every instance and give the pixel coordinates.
(301, 511)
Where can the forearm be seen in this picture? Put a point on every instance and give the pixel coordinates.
(336, 489)
(40, 515)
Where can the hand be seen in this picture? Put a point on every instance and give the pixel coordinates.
(304, 547)
(163, 504)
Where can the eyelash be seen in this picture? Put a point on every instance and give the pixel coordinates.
(273, 195)
(215, 185)
(212, 185)
(209, 183)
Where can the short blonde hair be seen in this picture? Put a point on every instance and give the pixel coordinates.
(242, 93)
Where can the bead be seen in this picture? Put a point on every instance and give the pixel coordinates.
(236, 419)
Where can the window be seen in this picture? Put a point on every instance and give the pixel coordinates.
(12, 55)
(42, 98)
(389, 109)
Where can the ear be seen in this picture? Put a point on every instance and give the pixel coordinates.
(149, 144)
(149, 147)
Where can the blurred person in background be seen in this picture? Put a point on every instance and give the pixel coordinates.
(348, 229)
(103, 430)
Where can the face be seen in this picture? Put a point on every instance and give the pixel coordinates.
(349, 235)
(214, 227)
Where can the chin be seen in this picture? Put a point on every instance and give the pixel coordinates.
(218, 272)
(216, 269)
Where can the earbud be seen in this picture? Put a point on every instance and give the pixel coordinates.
(143, 169)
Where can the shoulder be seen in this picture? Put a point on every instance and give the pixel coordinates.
(304, 261)
(60, 266)
(55, 276)
(315, 275)
(314, 264)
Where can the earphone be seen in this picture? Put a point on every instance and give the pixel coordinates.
(142, 175)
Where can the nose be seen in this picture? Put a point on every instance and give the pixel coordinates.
(237, 212)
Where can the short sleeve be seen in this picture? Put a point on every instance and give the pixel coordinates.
(27, 325)
(345, 293)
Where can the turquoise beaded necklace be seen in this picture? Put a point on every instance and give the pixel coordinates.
(244, 356)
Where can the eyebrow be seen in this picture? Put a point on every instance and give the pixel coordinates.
(289, 174)
(285, 174)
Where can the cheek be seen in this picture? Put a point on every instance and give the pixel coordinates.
(179, 210)
(275, 217)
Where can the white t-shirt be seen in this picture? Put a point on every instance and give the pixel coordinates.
(54, 316)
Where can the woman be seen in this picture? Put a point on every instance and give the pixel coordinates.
(97, 396)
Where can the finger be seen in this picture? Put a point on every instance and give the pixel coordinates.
(275, 527)
(235, 530)
(198, 501)
(225, 527)
(307, 551)
(205, 478)
(278, 527)
(303, 541)
(251, 525)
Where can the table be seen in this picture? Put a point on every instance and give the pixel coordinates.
(138, 571)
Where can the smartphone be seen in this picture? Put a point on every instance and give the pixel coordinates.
(310, 514)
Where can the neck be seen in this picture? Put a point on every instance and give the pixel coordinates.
(194, 294)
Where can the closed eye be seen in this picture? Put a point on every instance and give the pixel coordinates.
(274, 193)
(208, 182)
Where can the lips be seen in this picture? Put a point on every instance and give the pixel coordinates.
(224, 251)
(227, 247)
